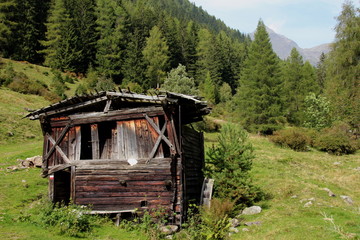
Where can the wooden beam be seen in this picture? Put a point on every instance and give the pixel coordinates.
(107, 107)
(157, 129)
(61, 137)
(117, 115)
(58, 149)
(157, 143)
(58, 168)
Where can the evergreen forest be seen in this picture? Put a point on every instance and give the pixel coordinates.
(145, 45)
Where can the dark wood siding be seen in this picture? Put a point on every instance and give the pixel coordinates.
(119, 186)
(193, 162)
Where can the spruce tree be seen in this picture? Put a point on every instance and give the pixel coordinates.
(61, 39)
(30, 29)
(156, 55)
(207, 60)
(111, 25)
(258, 95)
(343, 70)
(83, 14)
(7, 11)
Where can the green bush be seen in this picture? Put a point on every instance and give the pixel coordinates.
(293, 138)
(336, 140)
(207, 125)
(71, 220)
(208, 222)
(229, 164)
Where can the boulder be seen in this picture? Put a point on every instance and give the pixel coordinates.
(168, 229)
(35, 161)
(347, 199)
(257, 223)
(234, 222)
(252, 210)
(331, 194)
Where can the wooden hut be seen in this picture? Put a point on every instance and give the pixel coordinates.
(121, 151)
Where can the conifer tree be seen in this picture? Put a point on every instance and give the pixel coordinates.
(258, 95)
(343, 69)
(61, 39)
(83, 13)
(321, 72)
(30, 29)
(111, 25)
(207, 60)
(156, 55)
(7, 11)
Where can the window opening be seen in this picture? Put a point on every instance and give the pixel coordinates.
(86, 143)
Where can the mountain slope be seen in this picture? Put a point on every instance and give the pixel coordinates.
(283, 46)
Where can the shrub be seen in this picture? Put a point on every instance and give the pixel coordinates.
(208, 222)
(293, 138)
(336, 140)
(71, 220)
(268, 129)
(229, 164)
(207, 125)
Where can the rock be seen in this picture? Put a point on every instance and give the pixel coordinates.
(257, 223)
(252, 210)
(347, 199)
(233, 230)
(331, 194)
(245, 230)
(337, 163)
(168, 229)
(308, 204)
(234, 222)
(357, 169)
(35, 161)
(294, 196)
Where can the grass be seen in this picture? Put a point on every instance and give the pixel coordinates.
(295, 178)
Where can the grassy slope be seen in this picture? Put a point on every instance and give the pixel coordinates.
(292, 178)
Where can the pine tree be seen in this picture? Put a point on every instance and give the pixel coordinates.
(30, 29)
(258, 95)
(83, 13)
(321, 72)
(343, 69)
(111, 25)
(178, 81)
(207, 60)
(61, 39)
(7, 11)
(156, 55)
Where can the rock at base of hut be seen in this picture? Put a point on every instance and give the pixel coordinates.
(252, 210)
(168, 229)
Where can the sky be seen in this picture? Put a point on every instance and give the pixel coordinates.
(307, 22)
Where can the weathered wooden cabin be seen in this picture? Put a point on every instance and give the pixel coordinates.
(121, 151)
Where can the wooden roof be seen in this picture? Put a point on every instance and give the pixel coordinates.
(192, 107)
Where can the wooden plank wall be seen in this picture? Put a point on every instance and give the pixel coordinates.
(119, 186)
(193, 162)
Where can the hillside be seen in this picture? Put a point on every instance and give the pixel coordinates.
(282, 46)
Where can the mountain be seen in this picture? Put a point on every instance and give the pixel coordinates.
(283, 46)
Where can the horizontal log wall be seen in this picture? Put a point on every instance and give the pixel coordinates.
(115, 187)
